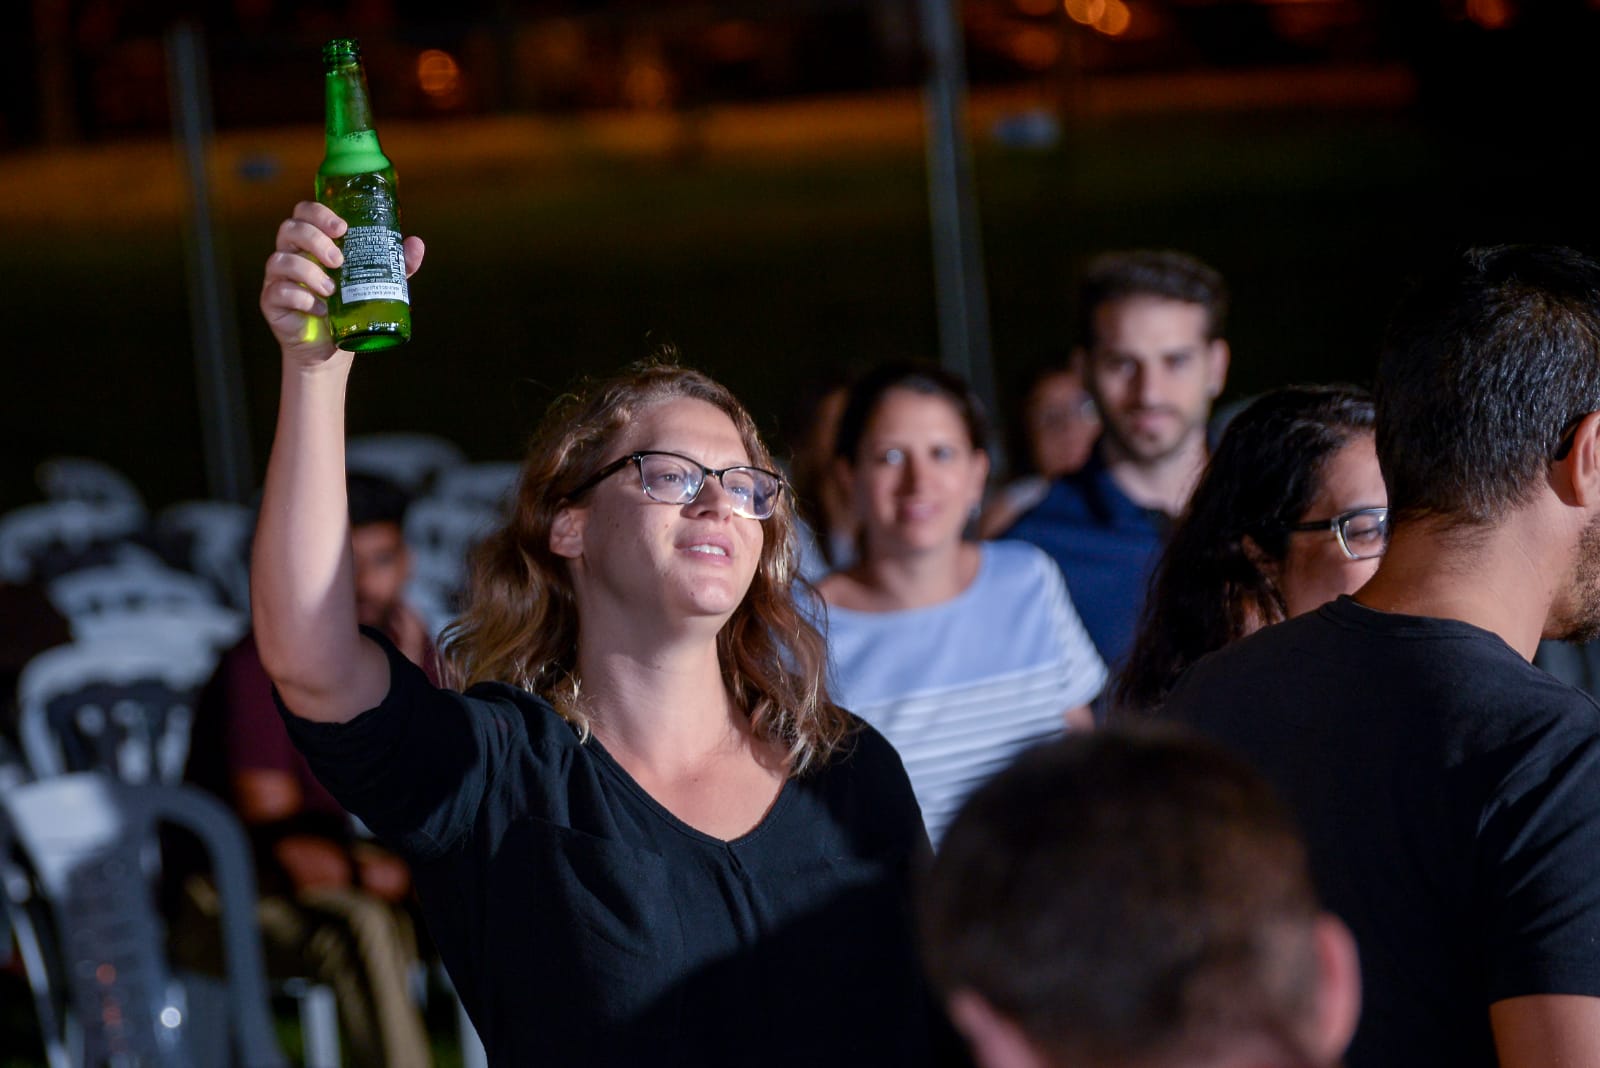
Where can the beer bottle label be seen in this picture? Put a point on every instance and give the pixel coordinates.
(374, 266)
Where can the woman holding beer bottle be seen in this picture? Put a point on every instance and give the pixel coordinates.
(641, 832)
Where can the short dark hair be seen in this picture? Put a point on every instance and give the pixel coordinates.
(1485, 363)
(1127, 896)
(1113, 276)
(1206, 590)
(374, 499)
(928, 379)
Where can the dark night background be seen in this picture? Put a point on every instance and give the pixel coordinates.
(747, 181)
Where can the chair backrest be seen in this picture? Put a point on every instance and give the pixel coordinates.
(116, 588)
(441, 535)
(41, 540)
(487, 485)
(79, 478)
(82, 843)
(123, 706)
(409, 460)
(210, 627)
(212, 540)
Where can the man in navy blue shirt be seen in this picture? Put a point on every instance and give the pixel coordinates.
(1154, 360)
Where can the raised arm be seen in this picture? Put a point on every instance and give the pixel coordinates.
(302, 584)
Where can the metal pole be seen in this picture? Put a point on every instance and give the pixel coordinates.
(963, 302)
(218, 378)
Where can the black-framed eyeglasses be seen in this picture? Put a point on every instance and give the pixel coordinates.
(672, 478)
(1363, 533)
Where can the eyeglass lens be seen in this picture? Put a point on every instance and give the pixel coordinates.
(1364, 534)
(673, 480)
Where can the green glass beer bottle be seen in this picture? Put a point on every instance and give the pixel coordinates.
(371, 305)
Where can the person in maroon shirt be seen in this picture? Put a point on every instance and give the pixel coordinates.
(334, 902)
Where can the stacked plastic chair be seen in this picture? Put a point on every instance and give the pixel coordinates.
(76, 875)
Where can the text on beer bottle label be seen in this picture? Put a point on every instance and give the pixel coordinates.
(374, 266)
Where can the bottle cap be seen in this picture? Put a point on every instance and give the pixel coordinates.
(341, 49)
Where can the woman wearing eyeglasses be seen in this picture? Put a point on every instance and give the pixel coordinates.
(642, 834)
(962, 653)
(1290, 513)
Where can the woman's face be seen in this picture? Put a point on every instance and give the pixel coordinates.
(1063, 424)
(916, 478)
(1315, 570)
(633, 558)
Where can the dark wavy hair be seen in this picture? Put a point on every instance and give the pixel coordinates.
(867, 393)
(1207, 590)
(1165, 273)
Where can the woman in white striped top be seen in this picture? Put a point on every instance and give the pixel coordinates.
(961, 653)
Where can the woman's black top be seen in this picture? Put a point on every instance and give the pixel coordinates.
(582, 923)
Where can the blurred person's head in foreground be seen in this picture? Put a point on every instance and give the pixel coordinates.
(1289, 514)
(1137, 899)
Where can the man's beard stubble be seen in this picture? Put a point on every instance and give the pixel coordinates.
(1584, 622)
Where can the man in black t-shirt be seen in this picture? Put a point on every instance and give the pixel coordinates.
(1450, 791)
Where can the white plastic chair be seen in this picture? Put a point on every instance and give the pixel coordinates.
(441, 534)
(213, 628)
(409, 460)
(120, 706)
(34, 533)
(213, 540)
(124, 706)
(488, 485)
(120, 588)
(76, 878)
(79, 478)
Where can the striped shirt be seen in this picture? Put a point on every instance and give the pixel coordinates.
(960, 688)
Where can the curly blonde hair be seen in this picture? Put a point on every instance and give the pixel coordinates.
(520, 624)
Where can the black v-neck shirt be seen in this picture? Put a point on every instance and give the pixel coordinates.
(583, 923)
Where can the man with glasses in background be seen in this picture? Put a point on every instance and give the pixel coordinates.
(1448, 789)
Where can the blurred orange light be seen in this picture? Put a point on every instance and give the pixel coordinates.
(646, 85)
(1115, 20)
(1035, 47)
(733, 41)
(1110, 17)
(1490, 14)
(438, 73)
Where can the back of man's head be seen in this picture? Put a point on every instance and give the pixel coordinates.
(1487, 363)
(1135, 897)
(1162, 273)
